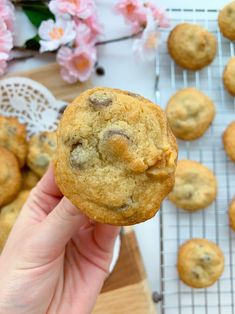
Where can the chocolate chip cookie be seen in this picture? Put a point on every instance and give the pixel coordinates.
(231, 214)
(116, 156)
(40, 152)
(192, 46)
(200, 263)
(10, 176)
(190, 112)
(8, 216)
(13, 137)
(229, 140)
(195, 186)
(226, 21)
(229, 76)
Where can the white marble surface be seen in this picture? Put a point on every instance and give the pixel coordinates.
(123, 71)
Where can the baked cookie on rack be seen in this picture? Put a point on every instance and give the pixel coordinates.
(13, 137)
(231, 214)
(200, 263)
(10, 176)
(229, 76)
(190, 112)
(41, 149)
(226, 21)
(8, 216)
(116, 156)
(192, 46)
(229, 140)
(195, 186)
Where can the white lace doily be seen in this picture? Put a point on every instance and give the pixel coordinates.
(34, 105)
(31, 102)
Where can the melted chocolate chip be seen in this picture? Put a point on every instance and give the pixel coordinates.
(111, 133)
(12, 130)
(42, 137)
(100, 99)
(134, 95)
(205, 259)
(195, 274)
(42, 161)
(52, 143)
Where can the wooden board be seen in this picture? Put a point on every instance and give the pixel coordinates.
(126, 290)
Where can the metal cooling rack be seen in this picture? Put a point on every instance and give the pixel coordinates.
(176, 225)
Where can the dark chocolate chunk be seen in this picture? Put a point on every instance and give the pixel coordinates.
(114, 132)
(100, 99)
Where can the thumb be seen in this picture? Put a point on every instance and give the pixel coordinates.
(60, 225)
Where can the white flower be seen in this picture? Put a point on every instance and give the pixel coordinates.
(146, 46)
(53, 34)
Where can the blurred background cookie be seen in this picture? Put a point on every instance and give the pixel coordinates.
(13, 137)
(200, 263)
(229, 76)
(29, 179)
(192, 46)
(231, 214)
(10, 176)
(190, 112)
(116, 156)
(9, 214)
(195, 186)
(229, 140)
(41, 149)
(226, 21)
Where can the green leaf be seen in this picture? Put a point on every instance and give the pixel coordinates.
(33, 43)
(37, 12)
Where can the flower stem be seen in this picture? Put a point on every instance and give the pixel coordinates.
(114, 40)
(33, 53)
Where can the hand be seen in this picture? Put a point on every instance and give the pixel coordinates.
(55, 260)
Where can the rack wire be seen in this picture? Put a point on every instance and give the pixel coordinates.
(176, 225)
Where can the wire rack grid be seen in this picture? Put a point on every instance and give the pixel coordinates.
(176, 225)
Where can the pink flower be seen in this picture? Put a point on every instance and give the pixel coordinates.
(146, 46)
(76, 64)
(7, 13)
(133, 12)
(83, 34)
(87, 31)
(159, 15)
(93, 23)
(79, 8)
(6, 44)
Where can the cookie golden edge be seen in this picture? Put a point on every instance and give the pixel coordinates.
(198, 133)
(223, 26)
(22, 142)
(16, 180)
(13, 209)
(181, 260)
(231, 214)
(228, 141)
(228, 85)
(187, 163)
(171, 49)
(88, 210)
